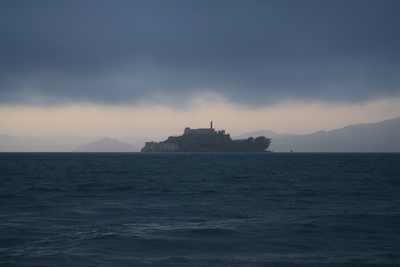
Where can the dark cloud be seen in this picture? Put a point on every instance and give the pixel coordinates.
(252, 53)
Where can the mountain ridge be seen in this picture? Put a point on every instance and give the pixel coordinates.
(365, 137)
(107, 144)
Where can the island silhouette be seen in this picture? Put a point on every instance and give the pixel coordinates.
(207, 140)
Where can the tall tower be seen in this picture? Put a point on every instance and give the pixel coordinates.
(211, 125)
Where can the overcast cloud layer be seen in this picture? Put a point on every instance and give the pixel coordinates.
(250, 52)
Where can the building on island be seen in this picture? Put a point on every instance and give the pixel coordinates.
(207, 140)
(203, 131)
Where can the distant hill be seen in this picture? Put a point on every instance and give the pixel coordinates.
(108, 145)
(373, 137)
(46, 143)
(49, 143)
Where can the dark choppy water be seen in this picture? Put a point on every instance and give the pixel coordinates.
(199, 209)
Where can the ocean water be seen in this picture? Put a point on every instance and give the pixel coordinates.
(189, 209)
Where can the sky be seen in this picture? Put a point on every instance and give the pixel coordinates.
(148, 69)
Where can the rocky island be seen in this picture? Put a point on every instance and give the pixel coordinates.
(207, 140)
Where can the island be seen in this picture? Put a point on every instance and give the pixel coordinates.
(207, 140)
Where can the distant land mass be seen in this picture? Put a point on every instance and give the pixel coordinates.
(107, 145)
(47, 143)
(207, 140)
(372, 137)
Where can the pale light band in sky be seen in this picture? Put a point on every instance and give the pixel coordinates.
(154, 121)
